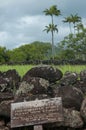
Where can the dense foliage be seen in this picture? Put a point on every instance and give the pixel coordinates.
(71, 48)
(74, 46)
(34, 51)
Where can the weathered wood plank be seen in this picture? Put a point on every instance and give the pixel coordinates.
(36, 112)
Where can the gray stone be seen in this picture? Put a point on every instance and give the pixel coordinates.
(83, 110)
(71, 96)
(29, 97)
(33, 85)
(72, 118)
(5, 108)
(81, 85)
(9, 81)
(69, 79)
(83, 75)
(12, 78)
(3, 84)
(4, 128)
(6, 96)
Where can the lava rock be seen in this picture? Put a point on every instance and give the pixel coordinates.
(4, 96)
(1, 74)
(30, 97)
(3, 84)
(83, 75)
(47, 72)
(71, 96)
(83, 110)
(72, 118)
(4, 128)
(13, 77)
(5, 108)
(33, 85)
(81, 85)
(69, 79)
(9, 81)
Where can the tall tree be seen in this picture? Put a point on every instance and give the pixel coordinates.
(52, 11)
(52, 28)
(75, 19)
(68, 20)
(79, 27)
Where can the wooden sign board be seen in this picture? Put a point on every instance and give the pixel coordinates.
(36, 112)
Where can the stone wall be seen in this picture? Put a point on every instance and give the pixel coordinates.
(44, 82)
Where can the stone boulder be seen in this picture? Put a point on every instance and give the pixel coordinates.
(6, 96)
(69, 78)
(71, 96)
(83, 75)
(4, 128)
(2, 123)
(33, 85)
(12, 75)
(72, 118)
(47, 72)
(81, 85)
(83, 110)
(29, 97)
(5, 108)
(11, 80)
(3, 84)
(1, 74)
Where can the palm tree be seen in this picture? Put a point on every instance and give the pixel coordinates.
(52, 28)
(68, 20)
(79, 27)
(75, 19)
(52, 11)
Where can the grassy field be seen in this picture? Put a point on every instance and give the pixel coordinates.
(72, 68)
(22, 69)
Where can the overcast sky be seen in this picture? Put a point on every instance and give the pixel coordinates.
(23, 21)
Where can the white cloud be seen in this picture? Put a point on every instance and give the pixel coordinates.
(31, 21)
(4, 36)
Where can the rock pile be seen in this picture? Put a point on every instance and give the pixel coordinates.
(43, 82)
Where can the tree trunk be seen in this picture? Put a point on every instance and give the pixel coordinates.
(52, 45)
(52, 40)
(70, 28)
(74, 30)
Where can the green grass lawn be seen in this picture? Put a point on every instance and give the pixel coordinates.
(72, 68)
(22, 69)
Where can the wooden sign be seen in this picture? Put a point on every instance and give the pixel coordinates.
(36, 112)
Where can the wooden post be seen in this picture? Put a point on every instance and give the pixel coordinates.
(38, 127)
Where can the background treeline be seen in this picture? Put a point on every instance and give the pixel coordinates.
(71, 49)
(34, 51)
